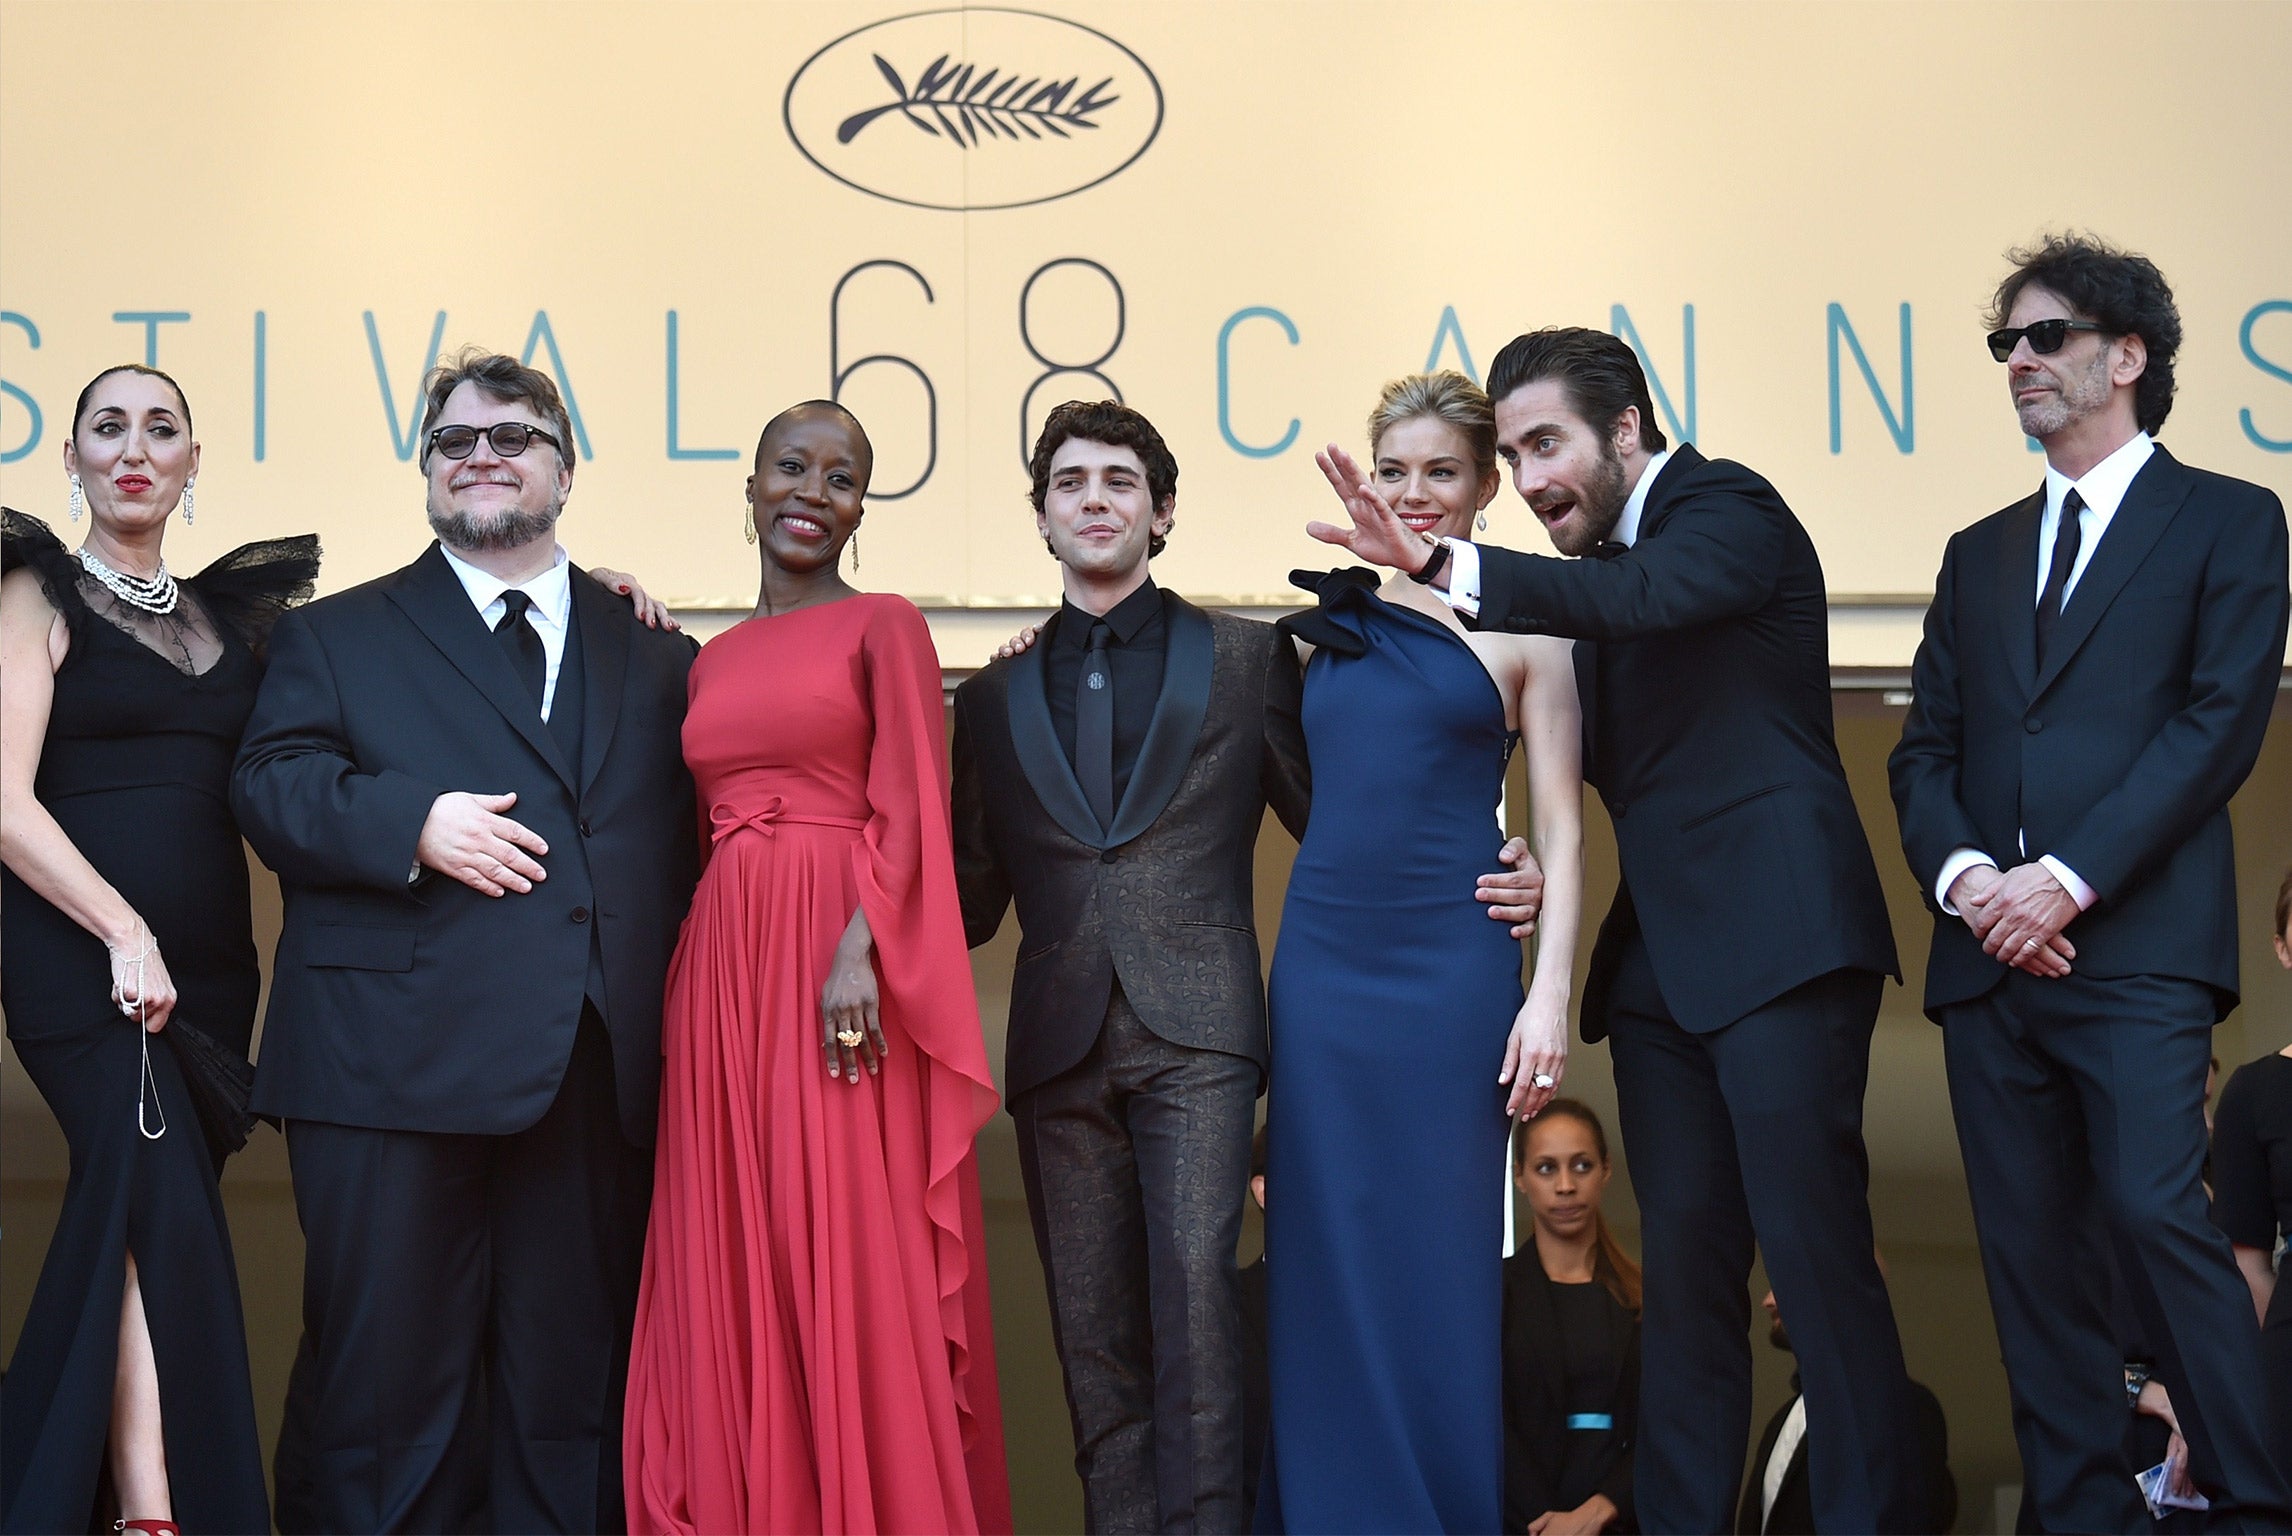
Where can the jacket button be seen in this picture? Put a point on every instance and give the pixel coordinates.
(584, 826)
(2033, 725)
(580, 914)
(1109, 857)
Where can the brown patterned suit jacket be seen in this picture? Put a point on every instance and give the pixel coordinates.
(1162, 899)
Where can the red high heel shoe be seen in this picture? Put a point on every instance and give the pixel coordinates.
(148, 1527)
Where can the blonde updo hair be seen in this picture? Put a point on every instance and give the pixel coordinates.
(1445, 396)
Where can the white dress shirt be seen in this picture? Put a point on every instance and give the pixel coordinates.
(1463, 592)
(550, 610)
(2103, 487)
(1787, 1441)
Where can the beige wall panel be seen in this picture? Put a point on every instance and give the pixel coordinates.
(1362, 169)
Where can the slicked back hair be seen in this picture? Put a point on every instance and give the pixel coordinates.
(1118, 426)
(1600, 373)
(2120, 291)
(80, 407)
(503, 380)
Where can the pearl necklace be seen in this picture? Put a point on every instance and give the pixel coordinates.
(153, 594)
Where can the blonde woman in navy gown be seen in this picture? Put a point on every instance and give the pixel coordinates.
(1401, 1035)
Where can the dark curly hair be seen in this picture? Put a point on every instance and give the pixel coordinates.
(2120, 291)
(1118, 426)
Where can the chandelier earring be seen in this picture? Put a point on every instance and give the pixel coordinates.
(194, 480)
(748, 523)
(79, 499)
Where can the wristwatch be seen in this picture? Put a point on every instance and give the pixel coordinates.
(1434, 564)
(2136, 1377)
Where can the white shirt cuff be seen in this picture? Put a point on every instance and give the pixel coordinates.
(1955, 865)
(1463, 590)
(2084, 895)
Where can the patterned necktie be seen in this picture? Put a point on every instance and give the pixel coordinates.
(2065, 545)
(521, 643)
(1094, 726)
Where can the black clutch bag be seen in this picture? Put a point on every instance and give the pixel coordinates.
(220, 1082)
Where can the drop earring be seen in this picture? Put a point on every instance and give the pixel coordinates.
(748, 523)
(79, 499)
(187, 500)
(854, 542)
(1483, 522)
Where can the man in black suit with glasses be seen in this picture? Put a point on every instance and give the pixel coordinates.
(2097, 674)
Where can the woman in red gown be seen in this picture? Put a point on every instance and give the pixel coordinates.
(813, 1348)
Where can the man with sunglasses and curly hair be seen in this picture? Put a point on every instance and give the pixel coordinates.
(2097, 673)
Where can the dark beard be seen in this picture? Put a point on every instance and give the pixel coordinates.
(458, 530)
(1601, 506)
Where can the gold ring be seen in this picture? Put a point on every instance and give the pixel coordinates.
(849, 1039)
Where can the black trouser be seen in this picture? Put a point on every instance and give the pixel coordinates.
(1136, 1163)
(2077, 1093)
(1751, 1136)
(468, 1302)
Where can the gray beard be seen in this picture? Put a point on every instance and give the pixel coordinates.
(2080, 398)
(510, 530)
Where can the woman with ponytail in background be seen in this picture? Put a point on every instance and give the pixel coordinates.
(1571, 1337)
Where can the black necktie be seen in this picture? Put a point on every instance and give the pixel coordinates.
(2065, 542)
(1094, 726)
(521, 643)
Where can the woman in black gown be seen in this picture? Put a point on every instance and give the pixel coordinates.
(1571, 1337)
(125, 913)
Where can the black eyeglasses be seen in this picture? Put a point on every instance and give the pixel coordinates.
(2045, 337)
(509, 439)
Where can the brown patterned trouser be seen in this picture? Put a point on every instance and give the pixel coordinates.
(1136, 1160)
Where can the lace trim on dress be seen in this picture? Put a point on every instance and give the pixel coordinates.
(245, 591)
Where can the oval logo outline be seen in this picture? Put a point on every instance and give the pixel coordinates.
(1153, 132)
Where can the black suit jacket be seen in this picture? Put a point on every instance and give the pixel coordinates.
(1703, 663)
(2119, 756)
(1793, 1513)
(426, 1006)
(1536, 1408)
(1161, 900)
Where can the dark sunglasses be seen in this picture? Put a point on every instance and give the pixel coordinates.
(509, 439)
(2045, 337)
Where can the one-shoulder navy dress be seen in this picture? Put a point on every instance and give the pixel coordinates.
(1392, 996)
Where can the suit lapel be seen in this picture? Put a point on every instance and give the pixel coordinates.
(2016, 603)
(2150, 503)
(1669, 487)
(1177, 722)
(1040, 756)
(429, 594)
(606, 635)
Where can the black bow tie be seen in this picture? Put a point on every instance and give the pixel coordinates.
(1608, 549)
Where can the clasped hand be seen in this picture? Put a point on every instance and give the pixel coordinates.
(2018, 915)
(467, 838)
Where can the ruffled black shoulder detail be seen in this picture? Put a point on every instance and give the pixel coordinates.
(1319, 627)
(251, 586)
(26, 541)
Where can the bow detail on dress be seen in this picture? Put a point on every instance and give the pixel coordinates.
(724, 820)
(1318, 627)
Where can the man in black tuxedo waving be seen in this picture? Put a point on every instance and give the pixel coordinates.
(2096, 676)
(1738, 974)
(468, 777)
